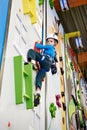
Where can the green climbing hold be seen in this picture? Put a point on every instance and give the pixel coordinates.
(52, 110)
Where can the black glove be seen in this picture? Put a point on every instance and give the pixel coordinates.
(53, 69)
(55, 57)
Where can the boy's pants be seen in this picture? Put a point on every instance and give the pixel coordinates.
(45, 64)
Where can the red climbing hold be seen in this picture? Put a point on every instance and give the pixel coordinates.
(9, 124)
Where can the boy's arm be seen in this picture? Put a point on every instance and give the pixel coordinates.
(40, 46)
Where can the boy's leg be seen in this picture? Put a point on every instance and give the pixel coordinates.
(33, 55)
(40, 75)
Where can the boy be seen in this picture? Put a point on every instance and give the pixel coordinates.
(45, 59)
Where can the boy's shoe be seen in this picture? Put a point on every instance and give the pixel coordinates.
(34, 67)
(26, 63)
(37, 99)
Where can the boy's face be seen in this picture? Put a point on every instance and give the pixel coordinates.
(50, 41)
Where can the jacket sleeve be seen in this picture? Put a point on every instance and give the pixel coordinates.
(39, 46)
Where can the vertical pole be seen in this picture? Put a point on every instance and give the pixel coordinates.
(44, 41)
(44, 21)
(67, 118)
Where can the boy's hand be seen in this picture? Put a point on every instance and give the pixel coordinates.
(35, 48)
(55, 58)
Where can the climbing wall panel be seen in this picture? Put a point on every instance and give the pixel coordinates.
(62, 85)
(29, 86)
(18, 79)
(22, 35)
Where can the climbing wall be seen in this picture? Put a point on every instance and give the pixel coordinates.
(76, 95)
(54, 81)
(16, 113)
(60, 49)
(25, 28)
